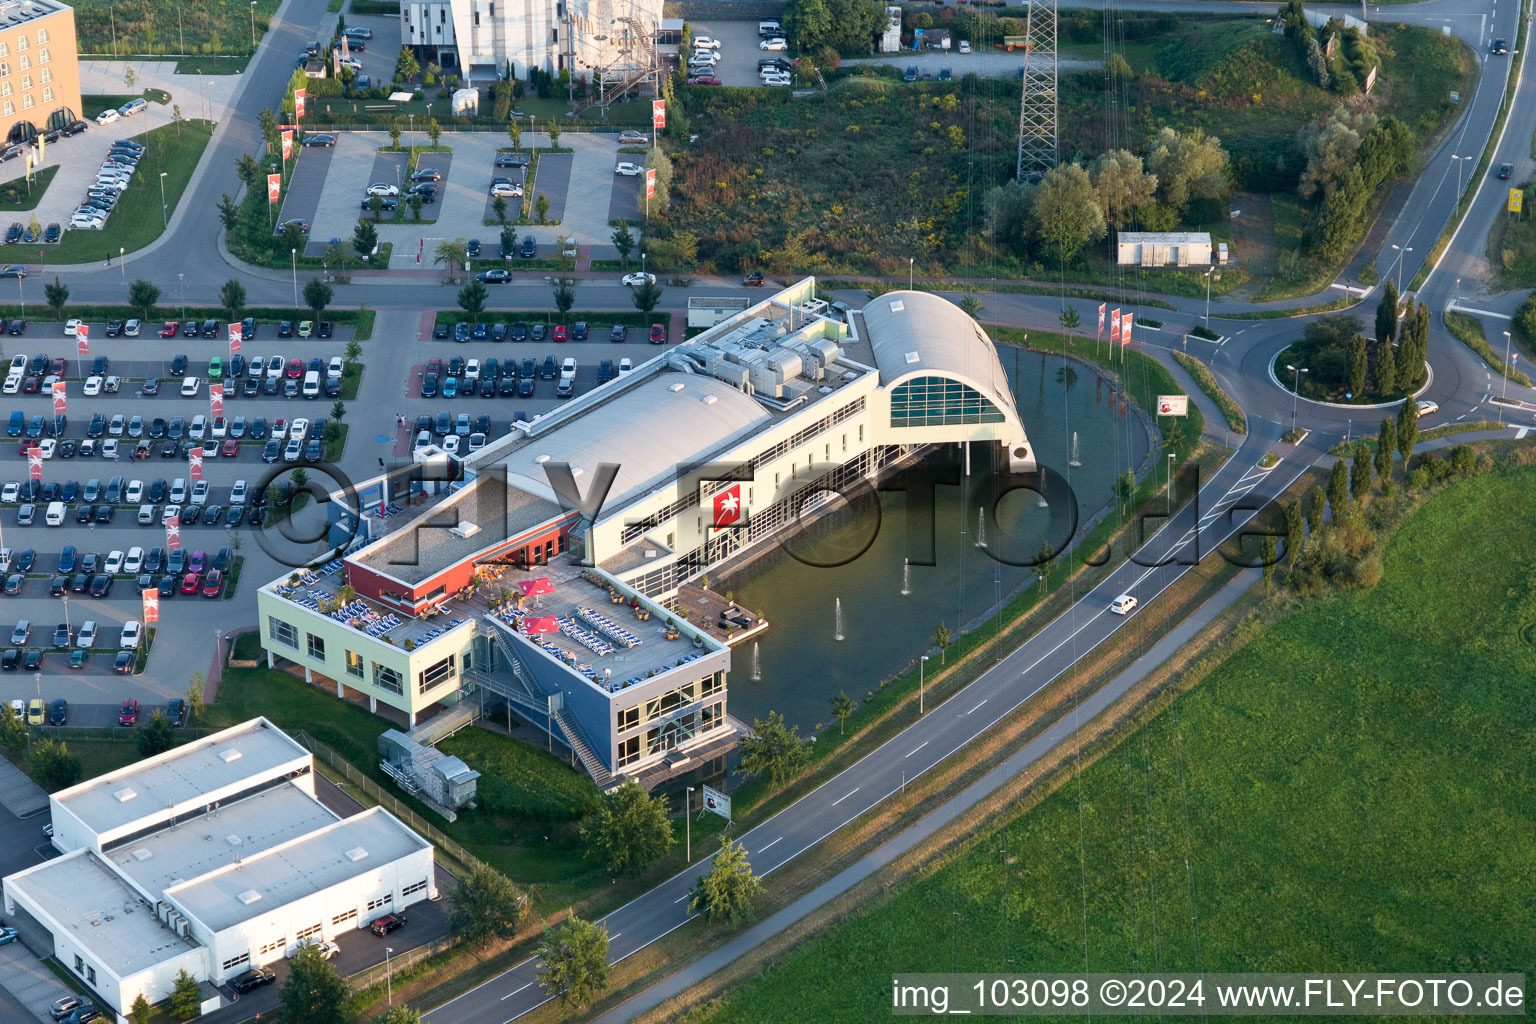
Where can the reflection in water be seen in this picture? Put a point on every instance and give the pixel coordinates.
(920, 535)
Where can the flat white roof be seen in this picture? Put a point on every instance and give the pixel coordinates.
(1164, 238)
(100, 911)
(191, 848)
(284, 874)
(181, 775)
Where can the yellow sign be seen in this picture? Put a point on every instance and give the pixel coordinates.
(1516, 199)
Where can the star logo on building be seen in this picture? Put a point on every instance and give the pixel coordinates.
(728, 507)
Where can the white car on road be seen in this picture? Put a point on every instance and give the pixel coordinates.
(380, 188)
(107, 116)
(637, 278)
(92, 386)
(773, 44)
(705, 43)
(71, 326)
(629, 170)
(507, 190)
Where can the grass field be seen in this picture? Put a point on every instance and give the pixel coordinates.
(133, 224)
(1350, 791)
(17, 195)
(191, 27)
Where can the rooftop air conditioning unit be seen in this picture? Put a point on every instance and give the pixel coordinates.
(465, 530)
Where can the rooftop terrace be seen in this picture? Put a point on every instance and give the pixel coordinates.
(319, 587)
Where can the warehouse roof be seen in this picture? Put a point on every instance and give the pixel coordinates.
(913, 333)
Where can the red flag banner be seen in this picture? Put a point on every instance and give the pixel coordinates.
(650, 183)
(195, 463)
(82, 345)
(1102, 307)
(274, 187)
(236, 335)
(151, 606)
(727, 507)
(60, 403)
(1114, 326)
(216, 399)
(35, 463)
(658, 114)
(1125, 329)
(287, 138)
(173, 533)
(299, 96)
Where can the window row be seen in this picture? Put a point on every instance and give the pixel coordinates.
(23, 44)
(939, 402)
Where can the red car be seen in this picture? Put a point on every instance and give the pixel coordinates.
(213, 583)
(560, 332)
(230, 449)
(31, 384)
(27, 444)
(435, 365)
(130, 713)
(704, 80)
(190, 582)
(658, 334)
(169, 329)
(295, 368)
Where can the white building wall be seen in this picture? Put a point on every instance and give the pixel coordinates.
(339, 909)
(488, 34)
(158, 982)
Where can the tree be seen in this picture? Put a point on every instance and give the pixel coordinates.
(1386, 313)
(943, 638)
(195, 696)
(1123, 186)
(314, 992)
(395, 128)
(1188, 167)
(1316, 503)
(1125, 487)
(499, 205)
(541, 206)
(232, 296)
(971, 306)
(1357, 365)
(1042, 566)
(141, 1011)
(1010, 214)
(451, 253)
(186, 1000)
(339, 412)
(1360, 472)
(364, 237)
(1269, 557)
(57, 296)
(176, 117)
(415, 202)
(353, 351)
(729, 891)
(1067, 214)
(1407, 431)
(628, 830)
(229, 211)
(646, 297)
(399, 1015)
(472, 297)
(777, 749)
(130, 78)
(565, 295)
(624, 241)
(1338, 489)
(52, 766)
(406, 67)
(13, 731)
(1386, 444)
(1069, 318)
(554, 133)
(1295, 530)
(269, 130)
(486, 906)
(574, 955)
(808, 23)
(515, 133)
(317, 295)
(142, 296)
(842, 707)
(156, 736)
(1332, 149)
(1385, 373)
(292, 238)
(376, 207)
(249, 172)
(435, 131)
(508, 239)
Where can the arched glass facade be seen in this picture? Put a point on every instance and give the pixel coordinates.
(940, 402)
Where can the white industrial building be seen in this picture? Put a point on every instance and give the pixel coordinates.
(1163, 248)
(481, 37)
(213, 858)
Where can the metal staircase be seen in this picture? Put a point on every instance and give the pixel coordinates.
(589, 759)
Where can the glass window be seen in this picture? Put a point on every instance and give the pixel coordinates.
(43, 56)
(48, 94)
(25, 62)
(387, 679)
(46, 75)
(282, 632)
(316, 646)
(42, 36)
(435, 675)
(236, 961)
(938, 402)
(5, 88)
(354, 664)
(26, 81)
(5, 67)
(414, 888)
(22, 44)
(628, 718)
(9, 108)
(5, 51)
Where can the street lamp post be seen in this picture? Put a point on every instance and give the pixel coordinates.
(1504, 388)
(1168, 487)
(921, 666)
(1459, 160)
(389, 987)
(1208, 274)
(688, 826)
(293, 255)
(164, 217)
(253, 26)
(910, 263)
(122, 251)
(182, 278)
(66, 614)
(1401, 254)
(1295, 390)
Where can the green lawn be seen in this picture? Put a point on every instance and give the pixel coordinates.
(518, 779)
(18, 194)
(137, 220)
(156, 27)
(1350, 792)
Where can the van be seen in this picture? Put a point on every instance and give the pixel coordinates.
(55, 514)
(146, 515)
(1123, 604)
(114, 490)
(312, 384)
(769, 28)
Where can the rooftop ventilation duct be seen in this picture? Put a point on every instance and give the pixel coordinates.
(230, 756)
(249, 896)
(356, 854)
(125, 794)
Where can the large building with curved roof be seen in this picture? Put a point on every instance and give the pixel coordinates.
(600, 510)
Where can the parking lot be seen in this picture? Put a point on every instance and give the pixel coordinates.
(329, 190)
(738, 51)
(119, 504)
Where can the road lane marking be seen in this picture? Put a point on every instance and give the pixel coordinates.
(920, 746)
(845, 796)
(760, 849)
(514, 992)
(977, 707)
